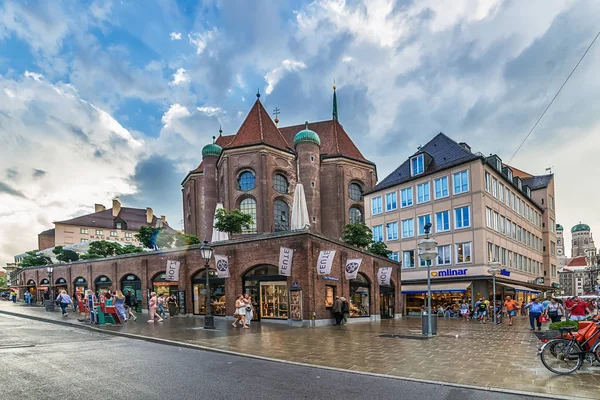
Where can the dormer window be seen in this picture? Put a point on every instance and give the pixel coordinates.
(520, 184)
(509, 174)
(118, 225)
(417, 165)
(498, 164)
(528, 191)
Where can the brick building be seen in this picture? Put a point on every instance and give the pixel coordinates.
(253, 264)
(256, 170)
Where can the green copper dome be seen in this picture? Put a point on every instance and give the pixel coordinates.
(559, 227)
(580, 228)
(211, 150)
(307, 135)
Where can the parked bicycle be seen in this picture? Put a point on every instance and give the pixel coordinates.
(566, 354)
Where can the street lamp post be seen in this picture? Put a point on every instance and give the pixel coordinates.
(428, 251)
(494, 270)
(207, 252)
(50, 303)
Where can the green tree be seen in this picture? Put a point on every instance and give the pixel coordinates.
(233, 221)
(34, 260)
(65, 255)
(380, 249)
(147, 236)
(3, 281)
(164, 240)
(102, 249)
(182, 239)
(129, 249)
(357, 234)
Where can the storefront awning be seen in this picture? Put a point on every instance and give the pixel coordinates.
(454, 287)
(520, 289)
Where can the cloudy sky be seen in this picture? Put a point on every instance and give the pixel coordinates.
(103, 99)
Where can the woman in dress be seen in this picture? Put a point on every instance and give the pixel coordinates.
(249, 311)
(153, 305)
(240, 312)
(464, 311)
(120, 306)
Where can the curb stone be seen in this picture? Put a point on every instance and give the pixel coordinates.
(300, 364)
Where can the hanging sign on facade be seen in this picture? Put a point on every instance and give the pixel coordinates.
(222, 264)
(383, 276)
(325, 261)
(351, 268)
(285, 261)
(172, 273)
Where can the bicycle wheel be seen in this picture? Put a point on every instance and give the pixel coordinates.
(558, 356)
(596, 351)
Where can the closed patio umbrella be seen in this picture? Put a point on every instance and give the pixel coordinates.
(218, 236)
(300, 219)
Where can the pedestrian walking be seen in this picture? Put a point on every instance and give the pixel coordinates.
(119, 303)
(499, 310)
(161, 305)
(345, 310)
(511, 306)
(481, 310)
(63, 299)
(536, 309)
(130, 305)
(523, 309)
(249, 309)
(337, 310)
(172, 305)
(153, 305)
(578, 309)
(555, 310)
(27, 297)
(75, 302)
(240, 312)
(464, 311)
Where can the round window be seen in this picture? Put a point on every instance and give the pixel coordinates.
(246, 181)
(355, 192)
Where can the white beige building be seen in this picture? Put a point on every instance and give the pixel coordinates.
(480, 210)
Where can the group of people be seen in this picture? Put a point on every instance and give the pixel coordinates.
(341, 310)
(157, 302)
(244, 311)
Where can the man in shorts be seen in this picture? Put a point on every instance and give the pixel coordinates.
(481, 310)
(511, 306)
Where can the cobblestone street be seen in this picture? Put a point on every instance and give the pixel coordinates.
(464, 353)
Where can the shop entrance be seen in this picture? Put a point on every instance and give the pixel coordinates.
(268, 291)
(217, 293)
(387, 301)
(360, 295)
(161, 285)
(61, 284)
(31, 288)
(103, 284)
(134, 283)
(44, 289)
(80, 284)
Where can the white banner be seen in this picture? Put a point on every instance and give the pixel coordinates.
(222, 264)
(173, 270)
(325, 261)
(351, 268)
(285, 261)
(383, 276)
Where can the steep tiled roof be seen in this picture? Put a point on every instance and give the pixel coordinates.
(259, 128)
(334, 139)
(518, 172)
(133, 217)
(538, 182)
(445, 153)
(578, 262)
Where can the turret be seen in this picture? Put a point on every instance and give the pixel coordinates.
(308, 150)
(208, 201)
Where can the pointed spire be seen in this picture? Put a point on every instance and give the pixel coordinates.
(258, 93)
(220, 130)
(335, 110)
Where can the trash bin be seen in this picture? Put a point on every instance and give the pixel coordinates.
(49, 305)
(424, 321)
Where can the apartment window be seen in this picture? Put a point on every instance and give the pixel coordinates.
(391, 201)
(84, 240)
(503, 256)
(408, 259)
(502, 224)
(378, 233)
(514, 202)
(423, 190)
(444, 257)
(119, 225)
(376, 207)
(408, 228)
(551, 225)
(519, 236)
(497, 253)
(514, 231)
(417, 165)
(510, 259)
(392, 231)
(461, 182)
(442, 221)
(128, 234)
(501, 192)
(507, 197)
(99, 232)
(496, 224)
(113, 233)
(407, 197)
(521, 262)
(83, 230)
(489, 218)
(495, 187)
(394, 256)
(552, 248)
(490, 250)
(553, 270)
(422, 221)
(441, 187)
(463, 252)
(508, 224)
(488, 182)
(424, 263)
(551, 201)
(462, 217)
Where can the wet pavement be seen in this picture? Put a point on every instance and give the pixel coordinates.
(466, 353)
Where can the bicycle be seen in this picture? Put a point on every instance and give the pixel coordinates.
(566, 355)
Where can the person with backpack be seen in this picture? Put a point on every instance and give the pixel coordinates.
(63, 299)
(130, 304)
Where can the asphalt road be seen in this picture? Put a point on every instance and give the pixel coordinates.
(46, 361)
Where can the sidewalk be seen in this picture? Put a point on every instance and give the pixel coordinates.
(489, 356)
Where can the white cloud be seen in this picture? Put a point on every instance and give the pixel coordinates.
(180, 77)
(175, 112)
(33, 75)
(210, 111)
(274, 76)
(200, 39)
(175, 36)
(91, 158)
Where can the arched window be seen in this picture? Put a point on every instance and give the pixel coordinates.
(246, 181)
(280, 183)
(281, 214)
(355, 192)
(355, 215)
(248, 206)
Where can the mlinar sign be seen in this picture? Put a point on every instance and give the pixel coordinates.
(449, 272)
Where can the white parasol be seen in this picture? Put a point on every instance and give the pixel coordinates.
(300, 219)
(218, 236)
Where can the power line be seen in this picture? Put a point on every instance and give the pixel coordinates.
(555, 96)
